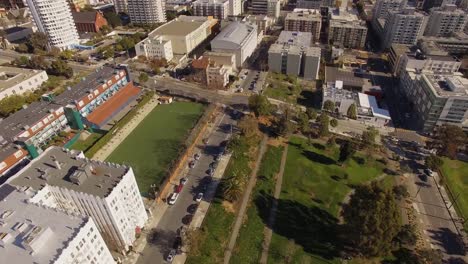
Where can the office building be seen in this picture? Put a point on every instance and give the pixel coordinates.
(266, 7)
(34, 233)
(238, 38)
(403, 27)
(438, 98)
(235, 7)
(178, 36)
(218, 9)
(368, 110)
(17, 81)
(121, 6)
(106, 192)
(220, 58)
(346, 29)
(54, 18)
(382, 7)
(446, 20)
(89, 104)
(304, 21)
(148, 12)
(293, 55)
(457, 44)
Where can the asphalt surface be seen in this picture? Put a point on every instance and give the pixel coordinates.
(432, 212)
(177, 214)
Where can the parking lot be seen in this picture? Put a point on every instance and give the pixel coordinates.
(250, 81)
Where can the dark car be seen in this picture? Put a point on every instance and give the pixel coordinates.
(187, 219)
(214, 165)
(191, 164)
(423, 177)
(192, 208)
(177, 244)
(170, 256)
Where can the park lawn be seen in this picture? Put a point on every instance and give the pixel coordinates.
(156, 142)
(456, 177)
(282, 87)
(248, 247)
(314, 186)
(84, 145)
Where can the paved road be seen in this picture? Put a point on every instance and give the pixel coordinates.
(432, 213)
(166, 231)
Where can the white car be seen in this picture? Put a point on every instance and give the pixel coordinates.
(199, 197)
(173, 198)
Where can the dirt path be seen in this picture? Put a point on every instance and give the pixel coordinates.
(245, 201)
(271, 220)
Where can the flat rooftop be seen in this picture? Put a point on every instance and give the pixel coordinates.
(30, 233)
(343, 14)
(305, 15)
(10, 76)
(349, 78)
(448, 85)
(74, 172)
(178, 27)
(295, 38)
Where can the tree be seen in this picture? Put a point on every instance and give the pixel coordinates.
(329, 106)
(248, 126)
(372, 220)
(38, 41)
(400, 192)
(433, 162)
(22, 48)
(143, 77)
(369, 136)
(303, 121)
(60, 68)
(38, 62)
(113, 19)
(352, 111)
(324, 121)
(66, 55)
(11, 104)
(284, 125)
(449, 138)
(334, 122)
(347, 150)
(106, 52)
(406, 236)
(259, 104)
(126, 43)
(105, 29)
(430, 256)
(311, 113)
(22, 61)
(232, 187)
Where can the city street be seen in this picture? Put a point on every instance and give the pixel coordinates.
(178, 215)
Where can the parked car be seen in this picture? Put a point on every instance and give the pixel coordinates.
(191, 164)
(179, 188)
(428, 171)
(210, 171)
(214, 165)
(199, 197)
(423, 177)
(173, 198)
(170, 256)
(192, 208)
(196, 156)
(183, 181)
(217, 157)
(177, 244)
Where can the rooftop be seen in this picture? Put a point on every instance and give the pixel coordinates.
(84, 16)
(349, 78)
(236, 32)
(10, 76)
(305, 14)
(301, 39)
(179, 26)
(70, 170)
(30, 233)
(447, 85)
(210, 2)
(343, 14)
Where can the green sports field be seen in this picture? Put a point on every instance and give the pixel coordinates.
(155, 143)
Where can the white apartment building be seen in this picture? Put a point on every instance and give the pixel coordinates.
(17, 81)
(121, 6)
(304, 20)
(309, 4)
(156, 47)
(238, 38)
(446, 20)
(263, 22)
(54, 18)
(403, 27)
(33, 233)
(266, 7)
(346, 29)
(104, 191)
(218, 9)
(148, 12)
(178, 36)
(438, 64)
(273, 8)
(382, 7)
(438, 98)
(235, 7)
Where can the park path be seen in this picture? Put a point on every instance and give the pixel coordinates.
(124, 131)
(272, 216)
(245, 201)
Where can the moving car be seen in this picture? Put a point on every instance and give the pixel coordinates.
(170, 256)
(173, 198)
(199, 197)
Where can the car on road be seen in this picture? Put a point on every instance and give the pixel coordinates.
(243, 77)
(199, 197)
(428, 172)
(214, 165)
(179, 188)
(186, 220)
(183, 181)
(173, 198)
(177, 244)
(170, 256)
(196, 156)
(423, 177)
(217, 157)
(210, 171)
(192, 208)
(191, 164)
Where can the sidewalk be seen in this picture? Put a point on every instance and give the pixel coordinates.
(245, 201)
(123, 132)
(268, 230)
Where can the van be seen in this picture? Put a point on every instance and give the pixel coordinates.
(173, 198)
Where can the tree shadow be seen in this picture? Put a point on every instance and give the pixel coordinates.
(162, 239)
(450, 241)
(314, 229)
(309, 98)
(318, 146)
(335, 178)
(318, 157)
(359, 160)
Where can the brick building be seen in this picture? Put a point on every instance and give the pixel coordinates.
(89, 21)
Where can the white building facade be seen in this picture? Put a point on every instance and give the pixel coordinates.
(219, 9)
(446, 20)
(17, 81)
(148, 12)
(403, 27)
(54, 18)
(155, 48)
